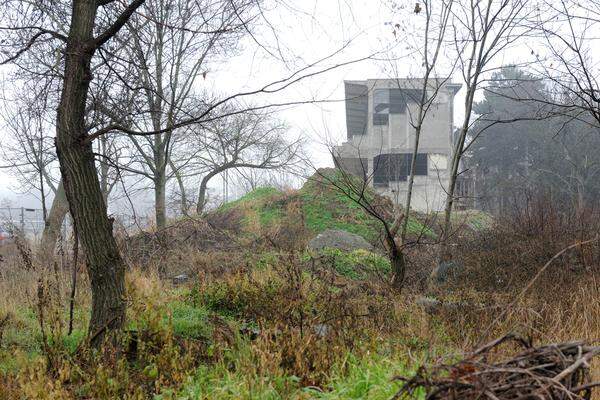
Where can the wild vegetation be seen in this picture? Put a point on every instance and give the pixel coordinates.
(375, 279)
(260, 317)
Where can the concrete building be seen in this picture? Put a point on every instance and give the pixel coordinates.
(380, 139)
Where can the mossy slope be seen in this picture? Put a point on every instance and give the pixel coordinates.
(323, 206)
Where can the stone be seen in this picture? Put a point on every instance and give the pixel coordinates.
(339, 239)
(445, 271)
(179, 279)
(432, 306)
(321, 330)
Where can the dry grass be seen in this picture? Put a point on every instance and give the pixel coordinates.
(267, 315)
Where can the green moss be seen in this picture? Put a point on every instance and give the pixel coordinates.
(357, 264)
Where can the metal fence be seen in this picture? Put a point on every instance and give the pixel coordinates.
(30, 221)
(27, 220)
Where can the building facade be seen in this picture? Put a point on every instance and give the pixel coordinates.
(381, 138)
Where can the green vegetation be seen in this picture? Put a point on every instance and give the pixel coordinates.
(357, 264)
(188, 321)
(261, 203)
(368, 377)
(323, 206)
(267, 322)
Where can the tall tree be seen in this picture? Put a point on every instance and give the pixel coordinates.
(27, 150)
(482, 30)
(525, 144)
(88, 48)
(175, 43)
(508, 132)
(91, 25)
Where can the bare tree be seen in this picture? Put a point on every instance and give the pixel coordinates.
(91, 26)
(433, 19)
(175, 43)
(27, 152)
(30, 158)
(251, 140)
(248, 179)
(482, 29)
(566, 59)
(424, 32)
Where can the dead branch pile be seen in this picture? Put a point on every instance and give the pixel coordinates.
(556, 372)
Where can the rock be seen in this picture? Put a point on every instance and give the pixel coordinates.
(338, 239)
(179, 279)
(430, 304)
(445, 271)
(321, 330)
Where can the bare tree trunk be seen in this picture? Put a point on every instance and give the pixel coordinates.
(398, 264)
(160, 198)
(204, 186)
(445, 253)
(43, 197)
(458, 147)
(105, 267)
(104, 170)
(184, 201)
(53, 224)
(202, 194)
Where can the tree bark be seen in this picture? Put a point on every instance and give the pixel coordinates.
(202, 195)
(53, 224)
(203, 187)
(398, 263)
(105, 266)
(445, 254)
(160, 207)
(184, 201)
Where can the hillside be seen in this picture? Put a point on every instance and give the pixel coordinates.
(318, 205)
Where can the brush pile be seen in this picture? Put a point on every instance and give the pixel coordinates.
(556, 372)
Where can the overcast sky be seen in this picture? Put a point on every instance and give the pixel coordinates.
(305, 31)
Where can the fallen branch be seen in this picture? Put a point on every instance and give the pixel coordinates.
(553, 372)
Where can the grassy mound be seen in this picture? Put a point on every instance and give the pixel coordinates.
(320, 204)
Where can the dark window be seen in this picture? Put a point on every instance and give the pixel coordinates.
(392, 101)
(395, 167)
(380, 170)
(380, 119)
(381, 101)
(421, 165)
(397, 102)
(381, 106)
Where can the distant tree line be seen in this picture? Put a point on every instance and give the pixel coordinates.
(524, 143)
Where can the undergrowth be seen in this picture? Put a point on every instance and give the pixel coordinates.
(273, 321)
